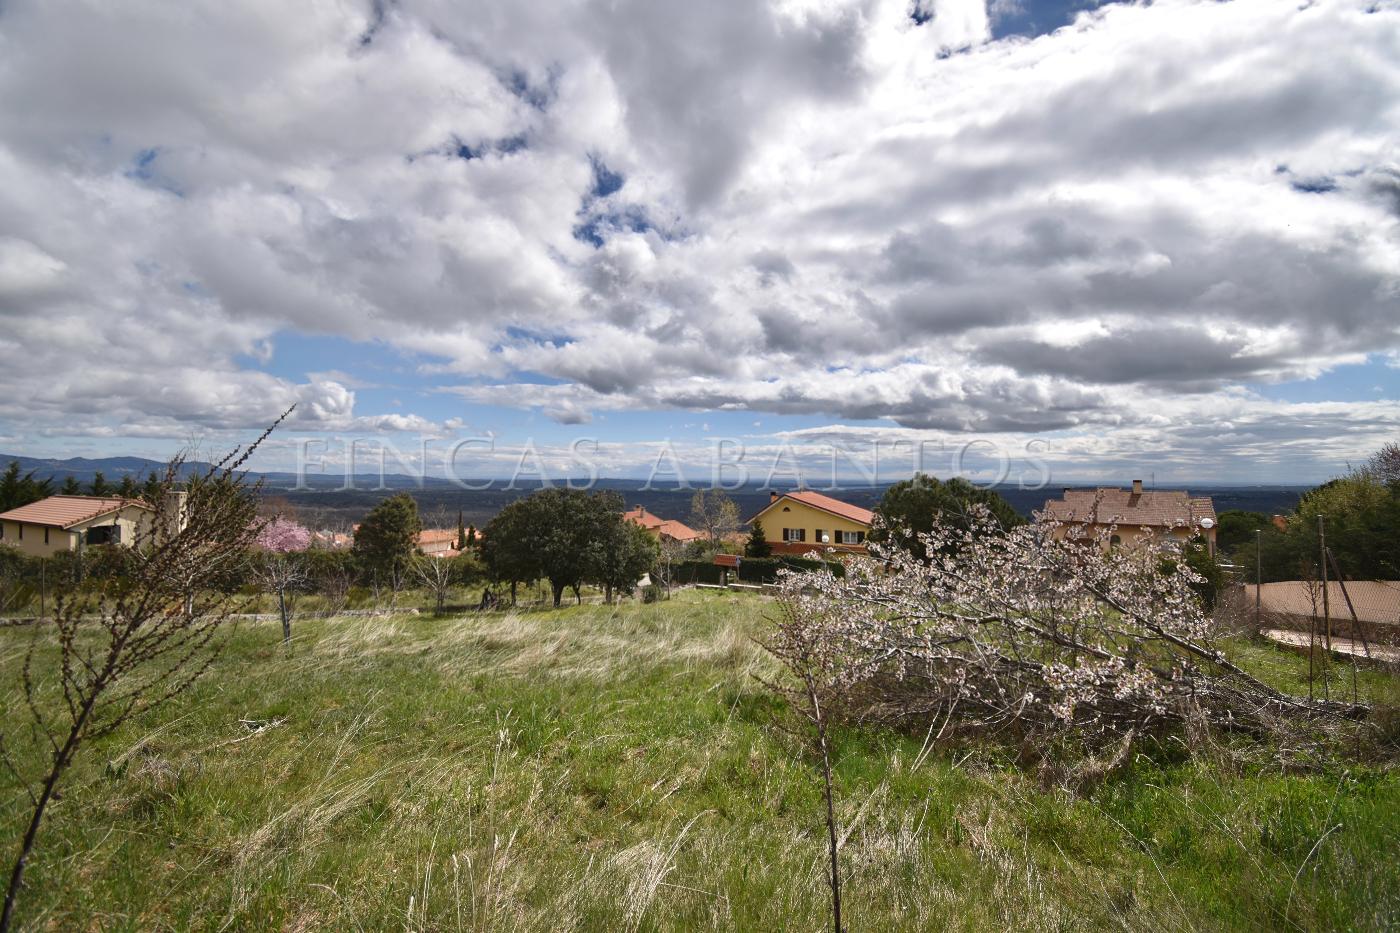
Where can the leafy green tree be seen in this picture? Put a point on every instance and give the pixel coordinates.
(1196, 553)
(1360, 514)
(387, 539)
(506, 550)
(907, 510)
(151, 489)
(1361, 518)
(71, 487)
(758, 545)
(555, 533)
(127, 487)
(1237, 527)
(622, 555)
(471, 536)
(100, 486)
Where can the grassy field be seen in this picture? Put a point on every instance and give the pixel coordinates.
(604, 768)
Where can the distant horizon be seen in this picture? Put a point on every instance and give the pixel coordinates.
(400, 480)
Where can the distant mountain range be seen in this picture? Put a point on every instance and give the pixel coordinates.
(327, 497)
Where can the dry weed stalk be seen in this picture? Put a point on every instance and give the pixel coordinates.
(131, 641)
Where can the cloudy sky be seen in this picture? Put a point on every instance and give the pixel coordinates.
(1129, 238)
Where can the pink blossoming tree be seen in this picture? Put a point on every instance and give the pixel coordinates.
(280, 540)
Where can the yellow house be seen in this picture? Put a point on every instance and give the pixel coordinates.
(804, 521)
(69, 523)
(1127, 517)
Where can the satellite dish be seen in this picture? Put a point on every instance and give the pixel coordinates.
(1207, 523)
(826, 539)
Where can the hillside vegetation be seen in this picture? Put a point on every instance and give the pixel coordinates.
(610, 768)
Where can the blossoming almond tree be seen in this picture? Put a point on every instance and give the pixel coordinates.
(1023, 629)
(1031, 632)
(280, 539)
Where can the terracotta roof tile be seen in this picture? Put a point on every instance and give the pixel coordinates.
(1170, 508)
(665, 526)
(827, 504)
(67, 511)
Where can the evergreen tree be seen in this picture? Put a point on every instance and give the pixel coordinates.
(758, 545)
(100, 486)
(10, 485)
(561, 534)
(461, 533)
(71, 487)
(152, 489)
(127, 488)
(908, 509)
(16, 490)
(386, 540)
(471, 536)
(624, 552)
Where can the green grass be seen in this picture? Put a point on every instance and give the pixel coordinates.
(604, 768)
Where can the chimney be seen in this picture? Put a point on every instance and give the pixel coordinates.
(172, 511)
(1137, 487)
(772, 496)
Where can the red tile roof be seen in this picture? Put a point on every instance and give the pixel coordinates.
(1168, 508)
(827, 504)
(662, 526)
(67, 511)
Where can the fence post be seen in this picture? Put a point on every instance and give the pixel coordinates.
(1326, 607)
(1258, 576)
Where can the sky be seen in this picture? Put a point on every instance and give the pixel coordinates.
(1019, 240)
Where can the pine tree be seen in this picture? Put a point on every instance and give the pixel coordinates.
(758, 545)
(387, 538)
(10, 487)
(71, 487)
(461, 533)
(471, 536)
(100, 486)
(127, 488)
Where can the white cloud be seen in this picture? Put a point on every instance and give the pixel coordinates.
(805, 207)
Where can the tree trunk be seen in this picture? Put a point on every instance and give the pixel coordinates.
(512, 593)
(607, 593)
(558, 592)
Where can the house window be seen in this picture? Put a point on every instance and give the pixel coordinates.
(46, 536)
(850, 537)
(794, 534)
(21, 532)
(104, 534)
(1114, 541)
